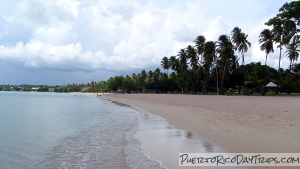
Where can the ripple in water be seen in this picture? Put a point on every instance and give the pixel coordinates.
(111, 144)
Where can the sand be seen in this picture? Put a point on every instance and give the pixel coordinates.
(241, 124)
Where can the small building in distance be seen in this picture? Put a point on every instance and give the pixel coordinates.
(34, 89)
(51, 90)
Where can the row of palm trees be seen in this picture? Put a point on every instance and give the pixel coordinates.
(285, 31)
(206, 54)
(160, 82)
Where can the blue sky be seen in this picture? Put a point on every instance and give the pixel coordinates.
(57, 42)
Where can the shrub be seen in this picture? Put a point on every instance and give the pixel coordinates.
(244, 91)
(230, 91)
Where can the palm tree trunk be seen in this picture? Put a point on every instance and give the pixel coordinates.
(223, 77)
(266, 59)
(289, 83)
(277, 92)
(217, 79)
(298, 84)
(243, 63)
(206, 79)
(206, 82)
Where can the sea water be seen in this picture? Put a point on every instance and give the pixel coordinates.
(51, 130)
(67, 130)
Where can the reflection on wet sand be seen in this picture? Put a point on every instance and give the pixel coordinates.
(189, 135)
(163, 142)
(208, 147)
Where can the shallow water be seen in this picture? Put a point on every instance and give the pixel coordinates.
(49, 130)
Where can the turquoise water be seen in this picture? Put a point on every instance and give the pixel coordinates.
(50, 130)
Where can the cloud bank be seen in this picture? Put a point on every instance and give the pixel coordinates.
(118, 36)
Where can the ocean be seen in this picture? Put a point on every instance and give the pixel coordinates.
(70, 130)
(51, 130)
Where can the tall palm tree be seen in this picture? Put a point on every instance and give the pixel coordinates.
(174, 63)
(234, 63)
(225, 50)
(199, 44)
(209, 55)
(150, 76)
(283, 30)
(156, 74)
(241, 44)
(292, 52)
(165, 64)
(266, 40)
(277, 32)
(183, 58)
(192, 55)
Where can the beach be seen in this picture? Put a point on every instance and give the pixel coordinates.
(238, 124)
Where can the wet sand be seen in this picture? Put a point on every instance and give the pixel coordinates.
(242, 124)
(163, 142)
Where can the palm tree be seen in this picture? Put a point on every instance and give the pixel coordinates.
(182, 69)
(165, 63)
(283, 30)
(241, 44)
(192, 55)
(149, 77)
(199, 44)
(182, 61)
(174, 63)
(292, 52)
(266, 40)
(225, 50)
(277, 32)
(234, 63)
(156, 75)
(209, 55)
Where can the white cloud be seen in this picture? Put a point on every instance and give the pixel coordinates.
(70, 6)
(56, 34)
(217, 27)
(94, 35)
(37, 54)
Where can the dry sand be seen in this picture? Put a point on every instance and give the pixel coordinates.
(242, 124)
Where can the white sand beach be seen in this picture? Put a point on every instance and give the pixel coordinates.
(241, 124)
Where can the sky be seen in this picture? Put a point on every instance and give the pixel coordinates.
(56, 42)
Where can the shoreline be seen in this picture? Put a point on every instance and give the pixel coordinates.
(238, 124)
